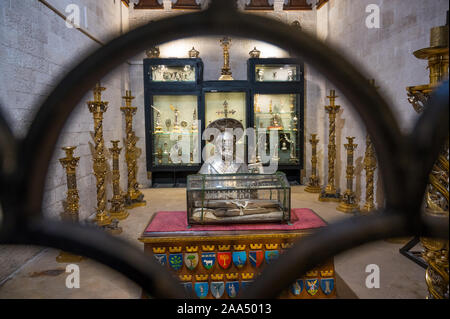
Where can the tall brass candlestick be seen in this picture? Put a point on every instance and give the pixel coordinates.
(314, 183)
(71, 205)
(436, 196)
(133, 197)
(97, 107)
(370, 164)
(226, 71)
(330, 193)
(118, 201)
(348, 203)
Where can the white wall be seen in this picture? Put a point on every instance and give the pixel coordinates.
(36, 50)
(384, 54)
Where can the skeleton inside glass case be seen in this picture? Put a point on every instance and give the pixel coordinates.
(238, 198)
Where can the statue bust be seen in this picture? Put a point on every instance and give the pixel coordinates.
(224, 161)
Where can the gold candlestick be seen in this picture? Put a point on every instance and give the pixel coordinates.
(370, 164)
(71, 205)
(97, 107)
(118, 201)
(226, 70)
(133, 197)
(348, 203)
(330, 193)
(314, 183)
(436, 196)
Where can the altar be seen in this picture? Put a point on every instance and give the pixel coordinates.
(219, 261)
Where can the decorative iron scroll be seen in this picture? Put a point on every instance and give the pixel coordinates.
(24, 163)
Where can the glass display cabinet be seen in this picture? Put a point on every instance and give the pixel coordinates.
(275, 70)
(278, 112)
(238, 198)
(172, 110)
(229, 104)
(271, 100)
(175, 130)
(161, 72)
(277, 73)
(277, 108)
(225, 99)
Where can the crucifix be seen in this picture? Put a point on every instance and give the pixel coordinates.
(225, 111)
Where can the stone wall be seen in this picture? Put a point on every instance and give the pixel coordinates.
(384, 54)
(36, 50)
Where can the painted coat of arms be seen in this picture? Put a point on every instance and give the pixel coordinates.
(327, 285)
(208, 260)
(176, 261)
(245, 284)
(191, 260)
(224, 259)
(297, 287)
(187, 287)
(232, 288)
(217, 289)
(201, 289)
(312, 286)
(161, 258)
(239, 258)
(271, 255)
(256, 258)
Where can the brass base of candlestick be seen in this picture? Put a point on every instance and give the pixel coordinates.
(135, 199)
(329, 195)
(313, 187)
(103, 219)
(226, 77)
(135, 203)
(348, 203)
(120, 215)
(113, 228)
(367, 208)
(347, 208)
(65, 257)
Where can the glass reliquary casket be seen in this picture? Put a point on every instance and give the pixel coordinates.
(238, 198)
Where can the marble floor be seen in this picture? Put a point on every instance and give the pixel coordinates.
(42, 277)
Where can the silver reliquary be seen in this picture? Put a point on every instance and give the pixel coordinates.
(238, 198)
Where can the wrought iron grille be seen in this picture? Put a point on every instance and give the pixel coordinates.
(405, 160)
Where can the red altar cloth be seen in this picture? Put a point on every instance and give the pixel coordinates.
(301, 218)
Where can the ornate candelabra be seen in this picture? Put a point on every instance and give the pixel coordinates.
(226, 70)
(97, 107)
(117, 201)
(348, 203)
(330, 193)
(437, 194)
(133, 197)
(71, 205)
(370, 165)
(314, 183)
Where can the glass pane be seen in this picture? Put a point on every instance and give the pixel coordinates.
(276, 73)
(279, 112)
(238, 198)
(224, 105)
(175, 130)
(166, 73)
